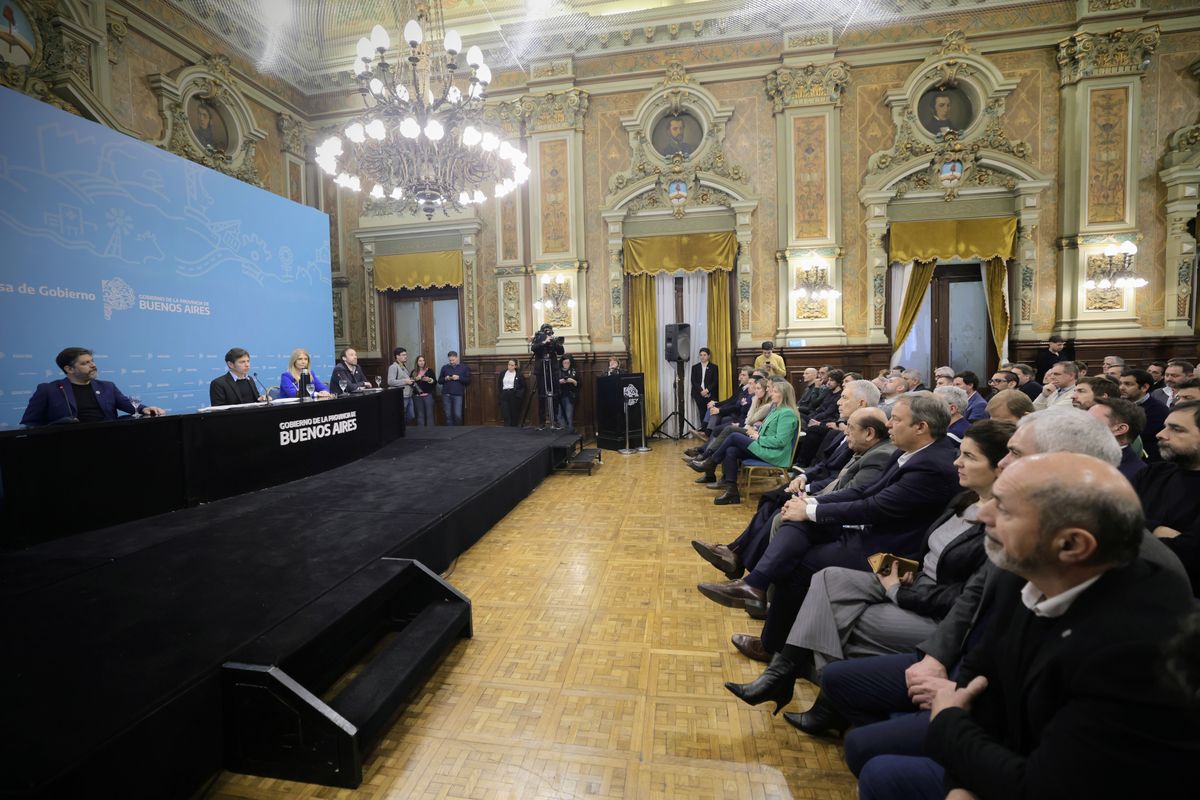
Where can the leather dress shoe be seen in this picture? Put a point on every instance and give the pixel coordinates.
(692, 452)
(714, 483)
(730, 496)
(707, 478)
(720, 557)
(751, 647)
(707, 465)
(756, 610)
(820, 720)
(731, 594)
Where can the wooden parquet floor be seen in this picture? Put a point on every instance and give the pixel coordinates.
(597, 669)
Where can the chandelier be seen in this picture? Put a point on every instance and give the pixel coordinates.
(1115, 269)
(421, 140)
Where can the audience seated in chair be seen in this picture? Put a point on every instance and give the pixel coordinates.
(1009, 405)
(1126, 421)
(956, 400)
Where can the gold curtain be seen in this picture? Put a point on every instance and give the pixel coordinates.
(965, 238)
(995, 276)
(419, 270)
(720, 340)
(691, 251)
(643, 344)
(914, 293)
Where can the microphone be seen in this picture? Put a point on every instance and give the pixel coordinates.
(74, 416)
(264, 389)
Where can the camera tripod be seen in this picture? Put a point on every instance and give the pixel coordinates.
(677, 414)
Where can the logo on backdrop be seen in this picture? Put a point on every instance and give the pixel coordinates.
(119, 296)
(307, 430)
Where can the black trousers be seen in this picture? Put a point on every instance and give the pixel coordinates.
(510, 407)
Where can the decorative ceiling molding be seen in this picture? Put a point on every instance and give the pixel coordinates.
(319, 49)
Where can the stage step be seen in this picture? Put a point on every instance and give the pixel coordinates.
(395, 617)
(586, 460)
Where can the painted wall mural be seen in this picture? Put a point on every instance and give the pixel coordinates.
(555, 196)
(810, 189)
(1108, 144)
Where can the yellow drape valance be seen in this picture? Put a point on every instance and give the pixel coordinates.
(645, 255)
(419, 270)
(944, 239)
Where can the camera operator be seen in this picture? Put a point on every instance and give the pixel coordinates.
(547, 349)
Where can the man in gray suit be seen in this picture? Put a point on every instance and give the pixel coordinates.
(867, 437)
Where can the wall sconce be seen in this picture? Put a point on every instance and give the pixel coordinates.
(813, 282)
(1115, 269)
(554, 294)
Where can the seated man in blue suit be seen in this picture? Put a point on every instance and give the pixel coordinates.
(842, 528)
(79, 397)
(976, 404)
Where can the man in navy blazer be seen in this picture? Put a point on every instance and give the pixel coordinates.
(976, 406)
(844, 527)
(79, 397)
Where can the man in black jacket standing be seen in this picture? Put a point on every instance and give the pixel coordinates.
(1063, 697)
(704, 382)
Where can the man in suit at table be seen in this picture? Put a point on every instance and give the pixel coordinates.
(704, 382)
(79, 397)
(235, 386)
(348, 370)
(1064, 696)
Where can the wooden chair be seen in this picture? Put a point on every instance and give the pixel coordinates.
(753, 468)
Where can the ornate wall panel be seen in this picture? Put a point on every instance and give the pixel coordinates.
(810, 184)
(554, 206)
(1108, 155)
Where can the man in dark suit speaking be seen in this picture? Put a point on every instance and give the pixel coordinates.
(1065, 695)
(79, 397)
(235, 386)
(704, 382)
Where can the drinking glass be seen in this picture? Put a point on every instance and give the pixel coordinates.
(342, 384)
(378, 382)
(312, 391)
(137, 406)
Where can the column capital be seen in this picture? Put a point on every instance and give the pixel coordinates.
(1122, 51)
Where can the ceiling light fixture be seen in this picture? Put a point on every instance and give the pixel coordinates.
(422, 139)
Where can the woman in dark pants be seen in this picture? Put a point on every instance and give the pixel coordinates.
(510, 388)
(423, 389)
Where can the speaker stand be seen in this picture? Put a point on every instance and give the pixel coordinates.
(677, 414)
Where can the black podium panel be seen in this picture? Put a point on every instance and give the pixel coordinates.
(610, 410)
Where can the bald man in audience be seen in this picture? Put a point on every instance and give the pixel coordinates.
(889, 696)
(1060, 386)
(1170, 488)
(1009, 406)
(1126, 421)
(1064, 696)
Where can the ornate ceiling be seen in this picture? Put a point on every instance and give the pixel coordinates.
(310, 43)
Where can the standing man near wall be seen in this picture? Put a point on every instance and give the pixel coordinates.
(771, 362)
(454, 378)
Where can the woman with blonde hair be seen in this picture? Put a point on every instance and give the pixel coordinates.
(299, 373)
(774, 442)
(760, 407)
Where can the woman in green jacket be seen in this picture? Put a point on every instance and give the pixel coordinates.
(773, 443)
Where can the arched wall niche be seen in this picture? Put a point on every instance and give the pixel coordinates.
(664, 192)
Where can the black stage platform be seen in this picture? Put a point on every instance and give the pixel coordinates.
(114, 638)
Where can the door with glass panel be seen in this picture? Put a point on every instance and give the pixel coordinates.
(424, 322)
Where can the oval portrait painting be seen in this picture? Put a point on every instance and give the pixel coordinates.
(208, 126)
(947, 108)
(677, 134)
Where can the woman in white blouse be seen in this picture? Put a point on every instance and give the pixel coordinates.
(510, 387)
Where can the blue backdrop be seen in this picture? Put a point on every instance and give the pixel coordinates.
(155, 263)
